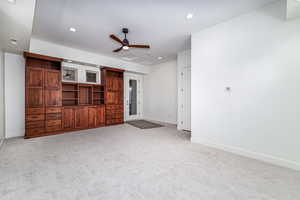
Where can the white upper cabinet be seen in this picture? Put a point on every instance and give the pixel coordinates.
(80, 73)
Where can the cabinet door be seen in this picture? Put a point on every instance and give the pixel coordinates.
(120, 84)
(52, 79)
(119, 98)
(100, 116)
(110, 97)
(115, 84)
(109, 83)
(35, 77)
(53, 98)
(82, 117)
(68, 118)
(92, 117)
(34, 97)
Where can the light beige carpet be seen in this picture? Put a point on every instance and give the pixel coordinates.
(123, 162)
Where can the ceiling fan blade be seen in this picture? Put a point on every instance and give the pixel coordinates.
(139, 46)
(116, 38)
(119, 49)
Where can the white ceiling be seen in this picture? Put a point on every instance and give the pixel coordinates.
(16, 23)
(160, 23)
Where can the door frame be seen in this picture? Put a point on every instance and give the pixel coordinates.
(184, 99)
(139, 78)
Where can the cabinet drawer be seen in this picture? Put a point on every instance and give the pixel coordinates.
(119, 115)
(114, 107)
(110, 107)
(53, 128)
(34, 132)
(53, 110)
(120, 107)
(50, 123)
(119, 111)
(33, 111)
(114, 115)
(119, 121)
(109, 115)
(109, 121)
(53, 116)
(35, 117)
(35, 124)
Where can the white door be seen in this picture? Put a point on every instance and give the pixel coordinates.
(133, 96)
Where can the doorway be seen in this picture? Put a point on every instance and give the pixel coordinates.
(133, 100)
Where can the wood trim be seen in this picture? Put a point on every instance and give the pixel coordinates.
(113, 69)
(42, 57)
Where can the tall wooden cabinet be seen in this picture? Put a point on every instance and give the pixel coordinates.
(53, 106)
(43, 94)
(113, 80)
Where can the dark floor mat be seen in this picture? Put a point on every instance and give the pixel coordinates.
(143, 124)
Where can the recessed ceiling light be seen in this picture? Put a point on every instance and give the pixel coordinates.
(73, 29)
(125, 47)
(189, 16)
(159, 58)
(69, 61)
(13, 41)
(11, 1)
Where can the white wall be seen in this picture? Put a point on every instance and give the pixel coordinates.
(160, 93)
(257, 55)
(14, 95)
(56, 50)
(2, 117)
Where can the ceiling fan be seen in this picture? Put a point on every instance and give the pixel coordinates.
(125, 43)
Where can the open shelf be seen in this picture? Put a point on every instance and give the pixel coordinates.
(98, 94)
(74, 94)
(69, 94)
(85, 95)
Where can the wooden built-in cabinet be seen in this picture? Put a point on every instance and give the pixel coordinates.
(113, 80)
(53, 106)
(43, 90)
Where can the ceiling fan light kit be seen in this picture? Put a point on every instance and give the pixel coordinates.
(125, 43)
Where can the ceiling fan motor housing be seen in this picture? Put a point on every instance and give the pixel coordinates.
(125, 30)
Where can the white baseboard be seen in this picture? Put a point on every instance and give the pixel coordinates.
(250, 154)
